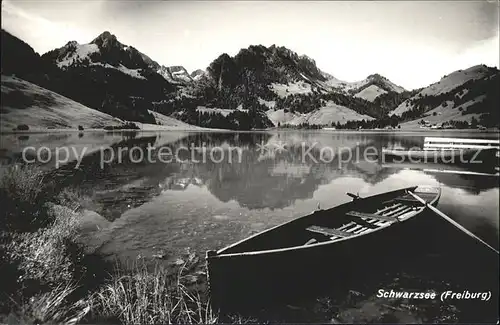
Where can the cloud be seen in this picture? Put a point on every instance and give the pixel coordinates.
(411, 43)
(41, 33)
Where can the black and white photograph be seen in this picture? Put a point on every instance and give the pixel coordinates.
(249, 162)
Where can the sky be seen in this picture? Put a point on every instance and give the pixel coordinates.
(413, 43)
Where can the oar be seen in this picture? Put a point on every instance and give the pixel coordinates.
(453, 222)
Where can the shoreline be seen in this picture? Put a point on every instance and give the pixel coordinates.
(200, 129)
(48, 131)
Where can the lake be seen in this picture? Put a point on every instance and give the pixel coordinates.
(207, 190)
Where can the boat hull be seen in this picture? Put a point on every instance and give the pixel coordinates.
(239, 281)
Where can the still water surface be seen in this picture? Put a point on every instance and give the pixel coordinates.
(140, 209)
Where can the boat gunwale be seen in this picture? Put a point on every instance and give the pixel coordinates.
(220, 253)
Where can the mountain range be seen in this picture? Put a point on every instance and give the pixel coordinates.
(259, 87)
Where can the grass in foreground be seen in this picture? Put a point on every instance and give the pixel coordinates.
(49, 279)
(152, 297)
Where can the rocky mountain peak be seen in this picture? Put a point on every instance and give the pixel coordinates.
(177, 68)
(196, 74)
(106, 40)
(175, 74)
(71, 44)
(376, 77)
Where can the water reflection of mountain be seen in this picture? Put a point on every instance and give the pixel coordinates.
(121, 184)
(276, 179)
(256, 179)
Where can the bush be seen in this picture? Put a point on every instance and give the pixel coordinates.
(126, 126)
(43, 256)
(22, 127)
(23, 192)
(132, 126)
(80, 128)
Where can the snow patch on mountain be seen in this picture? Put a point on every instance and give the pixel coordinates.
(125, 58)
(370, 93)
(77, 53)
(197, 74)
(131, 72)
(175, 74)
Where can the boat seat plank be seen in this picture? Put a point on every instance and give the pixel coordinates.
(400, 210)
(352, 223)
(394, 217)
(329, 231)
(400, 213)
(353, 229)
(393, 213)
(365, 230)
(366, 223)
(404, 215)
(369, 215)
(388, 208)
(362, 229)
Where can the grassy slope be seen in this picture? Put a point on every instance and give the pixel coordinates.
(42, 110)
(325, 115)
(442, 114)
(39, 108)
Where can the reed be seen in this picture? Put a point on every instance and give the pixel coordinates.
(144, 296)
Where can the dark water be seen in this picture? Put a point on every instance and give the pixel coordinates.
(142, 208)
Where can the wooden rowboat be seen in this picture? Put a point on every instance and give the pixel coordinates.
(297, 257)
